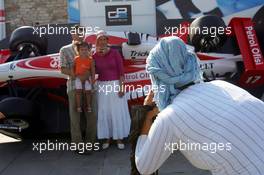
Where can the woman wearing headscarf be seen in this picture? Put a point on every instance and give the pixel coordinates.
(217, 126)
(113, 115)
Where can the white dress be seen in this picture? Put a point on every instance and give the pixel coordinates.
(113, 114)
(220, 115)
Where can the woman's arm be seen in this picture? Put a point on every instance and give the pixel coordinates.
(121, 93)
(120, 69)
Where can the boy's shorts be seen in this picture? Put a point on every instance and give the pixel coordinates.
(79, 85)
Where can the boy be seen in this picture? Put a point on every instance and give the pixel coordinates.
(83, 67)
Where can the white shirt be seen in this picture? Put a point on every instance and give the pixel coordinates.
(221, 125)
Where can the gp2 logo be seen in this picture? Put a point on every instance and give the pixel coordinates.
(119, 13)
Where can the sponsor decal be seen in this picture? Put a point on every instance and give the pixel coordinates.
(254, 46)
(134, 54)
(55, 62)
(12, 66)
(253, 79)
(136, 76)
(41, 63)
(206, 66)
(118, 15)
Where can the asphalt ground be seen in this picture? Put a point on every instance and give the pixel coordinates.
(19, 157)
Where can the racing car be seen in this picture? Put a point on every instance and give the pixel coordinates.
(33, 90)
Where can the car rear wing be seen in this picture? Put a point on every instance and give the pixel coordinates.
(4, 55)
(245, 33)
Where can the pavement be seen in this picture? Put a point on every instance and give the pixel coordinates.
(18, 157)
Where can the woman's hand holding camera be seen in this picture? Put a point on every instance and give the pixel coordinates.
(149, 99)
(149, 102)
(152, 113)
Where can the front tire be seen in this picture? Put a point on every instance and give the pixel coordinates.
(26, 37)
(20, 114)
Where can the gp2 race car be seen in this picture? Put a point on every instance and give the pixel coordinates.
(33, 91)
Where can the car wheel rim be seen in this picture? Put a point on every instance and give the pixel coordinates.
(18, 122)
(35, 49)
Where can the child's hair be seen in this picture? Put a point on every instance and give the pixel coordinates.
(83, 44)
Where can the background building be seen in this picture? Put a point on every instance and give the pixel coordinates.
(32, 12)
